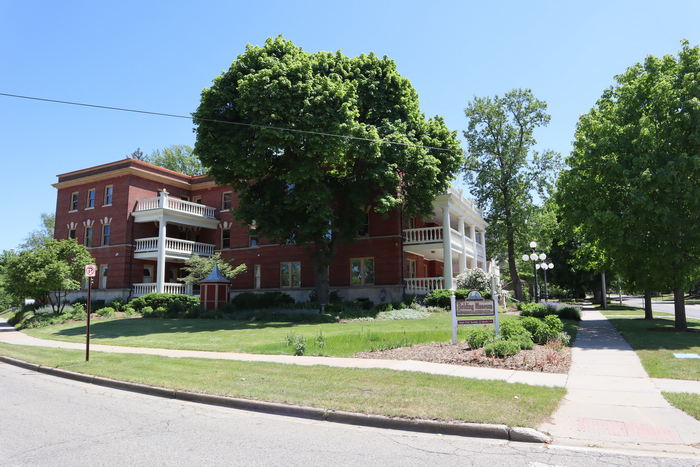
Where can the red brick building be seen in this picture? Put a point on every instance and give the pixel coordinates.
(141, 222)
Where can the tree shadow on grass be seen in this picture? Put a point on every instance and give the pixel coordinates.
(656, 334)
(147, 326)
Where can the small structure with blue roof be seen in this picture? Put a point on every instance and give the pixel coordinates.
(214, 289)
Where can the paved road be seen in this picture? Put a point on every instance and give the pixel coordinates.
(691, 311)
(52, 421)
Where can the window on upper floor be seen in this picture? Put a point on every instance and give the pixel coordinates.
(253, 239)
(108, 195)
(106, 233)
(290, 274)
(74, 197)
(90, 199)
(88, 237)
(226, 200)
(478, 238)
(225, 238)
(361, 271)
(363, 231)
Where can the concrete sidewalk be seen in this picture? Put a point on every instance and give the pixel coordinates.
(612, 402)
(10, 335)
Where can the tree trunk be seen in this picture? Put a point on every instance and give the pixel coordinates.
(648, 313)
(322, 282)
(512, 268)
(603, 292)
(679, 309)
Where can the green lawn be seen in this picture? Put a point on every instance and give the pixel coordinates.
(655, 342)
(669, 298)
(339, 339)
(688, 403)
(384, 392)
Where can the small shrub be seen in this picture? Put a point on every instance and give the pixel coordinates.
(253, 301)
(532, 324)
(441, 297)
(524, 341)
(502, 348)
(105, 312)
(320, 341)
(512, 328)
(554, 323)
(117, 304)
(474, 279)
(476, 337)
(536, 310)
(299, 345)
(569, 312)
(147, 312)
(128, 311)
(77, 312)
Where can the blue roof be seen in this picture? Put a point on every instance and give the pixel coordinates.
(215, 276)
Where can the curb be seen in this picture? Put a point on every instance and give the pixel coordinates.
(478, 430)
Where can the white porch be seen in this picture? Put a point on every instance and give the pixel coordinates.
(175, 248)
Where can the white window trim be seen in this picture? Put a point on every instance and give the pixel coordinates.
(104, 197)
(291, 284)
(362, 271)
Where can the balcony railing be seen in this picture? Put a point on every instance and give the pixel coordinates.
(175, 246)
(150, 287)
(422, 235)
(174, 204)
(423, 285)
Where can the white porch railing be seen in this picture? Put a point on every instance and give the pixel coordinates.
(175, 245)
(179, 205)
(422, 235)
(423, 285)
(168, 287)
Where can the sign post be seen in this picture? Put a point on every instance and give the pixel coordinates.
(494, 296)
(453, 305)
(90, 270)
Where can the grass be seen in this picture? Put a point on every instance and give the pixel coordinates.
(688, 403)
(339, 339)
(669, 298)
(655, 342)
(384, 392)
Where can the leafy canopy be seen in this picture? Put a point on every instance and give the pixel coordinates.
(634, 182)
(178, 157)
(47, 272)
(308, 187)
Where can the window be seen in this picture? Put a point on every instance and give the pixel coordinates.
(148, 274)
(90, 199)
(72, 234)
(257, 276)
(197, 199)
(108, 196)
(290, 274)
(226, 201)
(226, 238)
(361, 271)
(253, 239)
(411, 268)
(478, 238)
(363, 231)
(104, 269)
(74, 201)
(106, 229)
(88, 237)
(412, 222)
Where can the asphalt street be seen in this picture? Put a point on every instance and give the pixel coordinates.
(691, 311)
(46, 420)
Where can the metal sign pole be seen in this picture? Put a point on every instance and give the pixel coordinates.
(87, 332)
(494, 296)
(453, 305)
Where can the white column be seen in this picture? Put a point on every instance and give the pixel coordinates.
(160, 268)
(463, 255)
(446, 247)
(472, 232)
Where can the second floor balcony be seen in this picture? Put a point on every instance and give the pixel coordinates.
(175, 248)
(170, 209)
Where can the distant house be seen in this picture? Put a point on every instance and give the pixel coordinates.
(141, 222)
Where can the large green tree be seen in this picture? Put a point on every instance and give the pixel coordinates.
(47, 272)
(503, 172)
(294, 178)
(634, 182)
(37, 237)
(178, 157)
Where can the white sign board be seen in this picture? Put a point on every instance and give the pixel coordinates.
(90, 270)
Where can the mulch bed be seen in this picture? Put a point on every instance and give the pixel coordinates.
(540, 358)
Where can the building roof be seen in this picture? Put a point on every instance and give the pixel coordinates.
(215, 276)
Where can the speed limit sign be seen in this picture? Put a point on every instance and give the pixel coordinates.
(90, 270)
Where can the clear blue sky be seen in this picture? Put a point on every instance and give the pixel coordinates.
(160, 55)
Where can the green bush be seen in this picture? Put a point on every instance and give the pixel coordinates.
(554, 323)
(441, 297)
(569, 312)
(536, 310)
(511, 328)
(524, 341)
(502, 348)
(253, 301)
(476, 337)
(157, 300)
(532, 324)
(539, 310)
(117, 304)
(147, 312)
(105, 312)
(77, 312)
(128, 311)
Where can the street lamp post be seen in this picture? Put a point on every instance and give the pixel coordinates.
(534, 256)
(544, 267)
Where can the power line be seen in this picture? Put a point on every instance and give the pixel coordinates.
(213, 120)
